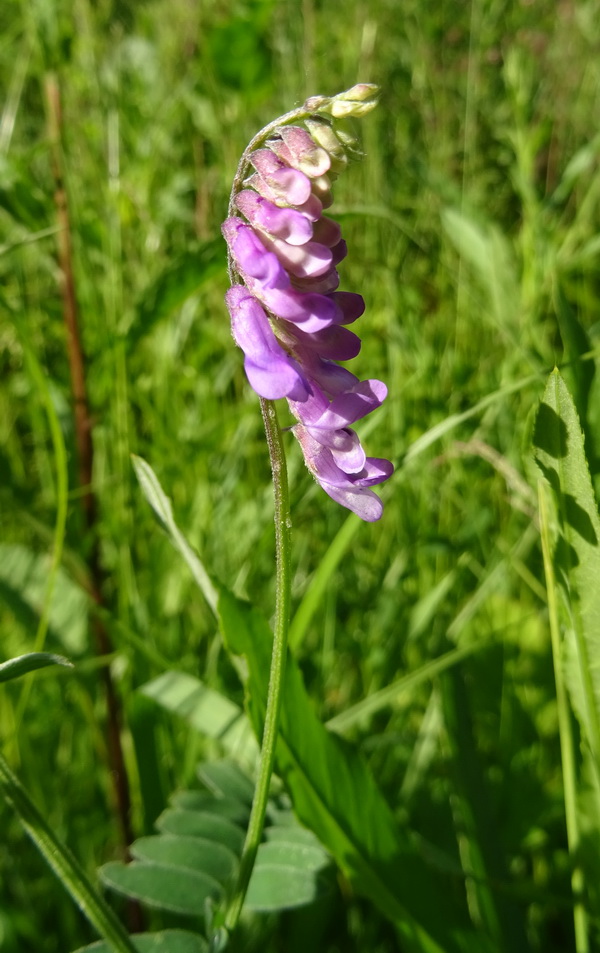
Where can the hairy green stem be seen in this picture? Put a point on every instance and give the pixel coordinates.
(63, 863)
(278, 657)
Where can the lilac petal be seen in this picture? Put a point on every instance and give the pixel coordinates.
(292, 186)
(313, 312)
(327, 232)
(351, 460)
(331, 378)
(345, 446)
(337, 484)
(271, 371)
(333, 343)
(376, 470)
(305, 154)
(364, 503)
(312, 208)
(312, 409)
(310, 260)
(348, 407)
(251, 256)
(351, 305)
(284, 223)
(322, 285)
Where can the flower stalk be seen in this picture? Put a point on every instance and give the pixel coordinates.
(278, 657)
(289, 319)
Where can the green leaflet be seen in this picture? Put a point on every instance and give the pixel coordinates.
(334, 794)
(559, 453)
(167, 941)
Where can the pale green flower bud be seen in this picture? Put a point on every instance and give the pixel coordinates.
(357, 101)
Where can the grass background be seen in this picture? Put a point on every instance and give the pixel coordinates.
(472, 229)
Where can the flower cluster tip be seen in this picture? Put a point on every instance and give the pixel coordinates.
(287, 314)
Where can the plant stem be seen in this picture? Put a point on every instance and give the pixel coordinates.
(278, 657)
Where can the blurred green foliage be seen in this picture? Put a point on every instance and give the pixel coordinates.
(472, 226)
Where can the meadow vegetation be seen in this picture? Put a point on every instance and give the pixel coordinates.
(473, 226)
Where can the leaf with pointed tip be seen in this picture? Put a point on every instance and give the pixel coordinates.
(559, 452)
(161, 504)
(22, 664)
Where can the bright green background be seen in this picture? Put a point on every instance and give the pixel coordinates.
(472, 227)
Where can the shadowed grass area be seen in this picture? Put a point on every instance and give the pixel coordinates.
(472, 226)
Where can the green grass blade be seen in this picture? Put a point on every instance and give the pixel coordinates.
(335, 795)
(16, 667)
(64, 864)
(161, 505)
(559, 453)
(320, 580)
(564, 727)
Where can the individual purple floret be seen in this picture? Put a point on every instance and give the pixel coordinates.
(287, 314)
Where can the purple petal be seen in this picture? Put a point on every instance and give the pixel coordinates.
(333, 343)
(351, 305)
(364, 503)
(348, 407)
(271, 371)
(313, 312)
(312, 208)
(327, 232)
(304, 152)
(340, 486)
(310, 260)
(322, 285)
(251, 256)
(339, 252)
(284, 223)
(292, 186)
(376, 471)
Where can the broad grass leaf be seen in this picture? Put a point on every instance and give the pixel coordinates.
(559, 453)
(489, 253)
(334, 794)
(206, 710)
(161, 885)
(16, 667)
(166, 941)
(576, 343)
(23, 584)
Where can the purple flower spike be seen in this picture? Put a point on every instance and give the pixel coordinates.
(287, 314)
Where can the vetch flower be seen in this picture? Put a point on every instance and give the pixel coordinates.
(287, 314)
